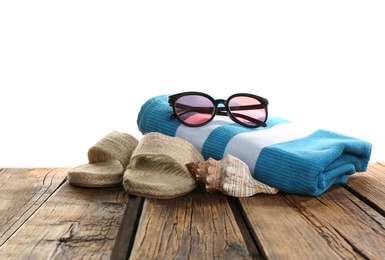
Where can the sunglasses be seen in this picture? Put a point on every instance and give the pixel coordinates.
(197, 109)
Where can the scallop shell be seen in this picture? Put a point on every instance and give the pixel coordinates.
(230, 175)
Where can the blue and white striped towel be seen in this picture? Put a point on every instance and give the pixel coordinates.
(291, 157)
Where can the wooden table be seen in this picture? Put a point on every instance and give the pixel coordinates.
(44, 217)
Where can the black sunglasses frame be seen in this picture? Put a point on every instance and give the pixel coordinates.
(223, 111)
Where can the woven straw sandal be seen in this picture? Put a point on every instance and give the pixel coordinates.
(108, 159)
(158, 167)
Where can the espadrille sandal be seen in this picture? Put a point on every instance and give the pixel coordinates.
(158, 167)
(108, 159)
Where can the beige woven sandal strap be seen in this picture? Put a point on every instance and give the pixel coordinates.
(114, 145)
(170, 148)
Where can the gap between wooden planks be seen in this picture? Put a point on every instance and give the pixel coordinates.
(45, 217)
(50, 218)
(279, 226)
(342, 223)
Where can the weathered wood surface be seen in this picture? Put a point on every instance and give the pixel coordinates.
(335, 225)
(69, 223)
(43, 217)
(22, 192)
(370, 185)
(195, 226)
(340, 224)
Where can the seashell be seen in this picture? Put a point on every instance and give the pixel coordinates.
(230, 175)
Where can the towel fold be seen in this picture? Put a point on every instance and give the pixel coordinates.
(289, 156)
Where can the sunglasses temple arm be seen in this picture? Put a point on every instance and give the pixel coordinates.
(251, 119)
(222, 112)
(186, 109)
(247, 107)
(207, 110)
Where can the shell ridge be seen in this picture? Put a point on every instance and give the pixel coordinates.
(229, 175)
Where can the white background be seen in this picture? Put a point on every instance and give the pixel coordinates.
(72, 71)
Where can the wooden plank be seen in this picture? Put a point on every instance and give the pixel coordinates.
(126, 234)
(281, 231)
(22, 192)
(73, 223)
(352, 221)
(330, 226)
(370, 185)
(195, 226)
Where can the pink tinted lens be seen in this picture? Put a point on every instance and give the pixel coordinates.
(247, 110)
(194, 109)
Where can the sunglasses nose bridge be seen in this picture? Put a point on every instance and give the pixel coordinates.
(219, 101)
(220, 110)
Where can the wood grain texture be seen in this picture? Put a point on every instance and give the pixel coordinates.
(335, 225)
(281, 231)
(350, 226)
(73, 223)
(44, 217)
(126, 234)
(195, 226)
(22, 192)
(370, 185)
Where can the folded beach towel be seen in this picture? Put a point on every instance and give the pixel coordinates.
(289, 156)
